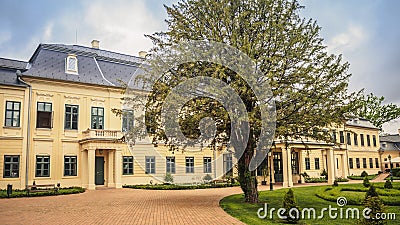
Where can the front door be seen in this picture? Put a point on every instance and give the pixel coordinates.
(99, 169)
(278, 168)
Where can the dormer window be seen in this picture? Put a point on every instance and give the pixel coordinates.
(71, 64)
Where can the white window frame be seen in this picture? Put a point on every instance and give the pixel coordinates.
(67, 61)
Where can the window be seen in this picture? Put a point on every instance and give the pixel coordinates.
(371, 163)
(368, 140)
(355, 139)
(307, 161)
(334, 136)
(42, 166)
(386, 166)
(207, 164)
(316, 161)
(351, 163)
(127, 120)
(70, 166)
(376, 163)
(374, 140)
(227, 157)
(127, 165)
(295, 163)
(362, 139)
(341, 137)
(97, 118)
(262, 167)
(11, 166)
(189, 164)
(150, 164)
(358, 163)
(348, 138)
(44, 115)
(337, 163)
(71, 64)
(170, 164)
(71, 117)
(364, 162)
(13, 110)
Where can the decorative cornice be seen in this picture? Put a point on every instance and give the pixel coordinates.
(44, 94)
(71, 97)
(98, 100)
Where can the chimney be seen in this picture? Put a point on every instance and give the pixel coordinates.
(142, 54)
(95, 44)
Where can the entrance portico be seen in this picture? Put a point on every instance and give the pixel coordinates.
(102, 161)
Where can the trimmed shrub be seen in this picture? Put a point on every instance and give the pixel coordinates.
(342, 179)
(388, 185)
(324, 174)
(366, 182)
(377, 207)
(364, 174)
(207, 178)
(335, 183)
(290, 204)
(169, 178)
(315, 180)
(371, 192)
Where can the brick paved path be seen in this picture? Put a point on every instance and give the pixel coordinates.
(121, 206)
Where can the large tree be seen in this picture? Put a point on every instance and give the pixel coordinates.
(373, 109)
(309, 85)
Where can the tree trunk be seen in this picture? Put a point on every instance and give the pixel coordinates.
(247, 178)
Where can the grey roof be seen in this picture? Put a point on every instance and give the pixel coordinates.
(360, 122)
(390, 138)
(8, 69)
(95, 66)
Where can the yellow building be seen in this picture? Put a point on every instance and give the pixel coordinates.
(59, 128)
(390, 151)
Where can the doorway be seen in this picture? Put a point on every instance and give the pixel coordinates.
(99, 170)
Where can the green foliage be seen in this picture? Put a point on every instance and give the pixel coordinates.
(370, 177)
(315, 180)
(290, 203)
(377, 208)
(179, 187)
(364, 174)
(388, 185)
(207, 178)
(372, 109)
(341, 179)
(308, 84)
(169, 178)
(61, 191)
(366, 182)
(335, 183)
(371, 192)
(324, 174)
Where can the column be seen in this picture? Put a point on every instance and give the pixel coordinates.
(117, 168)
(91, 168)
(287, 168)
(330, 165)
(111, 181)
(271, 165)
(345, 171)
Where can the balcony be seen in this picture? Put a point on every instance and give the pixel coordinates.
(101, 135)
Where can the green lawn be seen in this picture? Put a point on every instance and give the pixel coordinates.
(306, 198)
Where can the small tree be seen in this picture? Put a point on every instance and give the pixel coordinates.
(335, 183)
(169, 178)
(371, 192)
(366, 182)
(388, 185)
(374, 203)
(324, 174)
(207, 178)
(290, 203)
(364, 174)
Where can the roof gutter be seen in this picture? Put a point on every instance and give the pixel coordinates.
(28, 128)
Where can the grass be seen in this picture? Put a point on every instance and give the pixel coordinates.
(23, 193)
(370, 177)
(180, 187)
(306, 197)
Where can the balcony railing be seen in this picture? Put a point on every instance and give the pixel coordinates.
(102, 134)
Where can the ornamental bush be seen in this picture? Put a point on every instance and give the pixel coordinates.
(292, 210)
(388, 185)
(366, 182)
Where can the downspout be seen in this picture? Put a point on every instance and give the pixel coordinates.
(28, 127)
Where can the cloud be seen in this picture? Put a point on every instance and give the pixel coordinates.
(349, 40)
(4, 37)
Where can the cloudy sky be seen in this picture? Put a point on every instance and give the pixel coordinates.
(366, 32)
